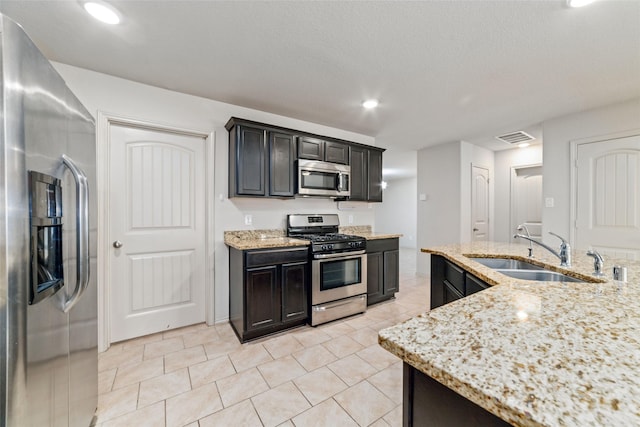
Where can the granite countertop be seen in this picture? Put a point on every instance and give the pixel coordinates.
(261, 239)
(365, 231)
(533, 353)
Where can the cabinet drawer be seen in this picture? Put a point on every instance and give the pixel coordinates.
(381, 245)
(473, 284)
(454, 275)
(275, 256)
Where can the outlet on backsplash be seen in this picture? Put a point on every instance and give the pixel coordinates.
(350, 219)
(248, 219)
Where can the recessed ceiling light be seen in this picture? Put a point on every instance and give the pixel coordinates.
(579, 3)
(102, 12)
(370, 103)
(523, 145)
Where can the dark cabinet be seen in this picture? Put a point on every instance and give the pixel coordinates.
(268, 290)
(282, 158)
(317, 149)
(426, 402)
(366, 174)
(261, 161)
(383, 271)
(449, 282)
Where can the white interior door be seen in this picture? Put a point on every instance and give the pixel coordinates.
(479, 203)
(157, 231)
(526, 200)
(608, 197)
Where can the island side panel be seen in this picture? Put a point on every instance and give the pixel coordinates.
(426, 402)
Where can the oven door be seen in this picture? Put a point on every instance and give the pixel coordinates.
(337, 276)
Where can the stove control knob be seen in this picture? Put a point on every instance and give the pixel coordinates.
(330, 246)
(324, 247)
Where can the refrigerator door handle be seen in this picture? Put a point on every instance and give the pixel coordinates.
(82, 233)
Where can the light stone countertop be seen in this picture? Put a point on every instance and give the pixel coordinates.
(533, 353)
(262, 239)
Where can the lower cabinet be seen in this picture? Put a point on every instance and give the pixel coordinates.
(268, 290)
(450, 282)
(383, 270)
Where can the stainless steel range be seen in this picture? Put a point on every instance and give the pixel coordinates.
(338, 267)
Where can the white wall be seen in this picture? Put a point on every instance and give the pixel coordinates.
(557, 135)
(504, 161)
(439, 215)
(398, 213)
(100, 92)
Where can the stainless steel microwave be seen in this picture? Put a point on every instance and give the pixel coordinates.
(326, 179)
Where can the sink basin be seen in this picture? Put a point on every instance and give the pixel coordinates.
(507, 263)
(524, 270)
(538, 275)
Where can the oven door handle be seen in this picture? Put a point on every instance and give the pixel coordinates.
(343, 255)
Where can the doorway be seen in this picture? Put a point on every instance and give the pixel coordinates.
(526, 200)
(479, 203)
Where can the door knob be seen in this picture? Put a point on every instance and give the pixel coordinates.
(475, 229)
(117, 244)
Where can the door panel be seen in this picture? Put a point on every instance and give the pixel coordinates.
(608, 197)
(479, 203)
(157, 213)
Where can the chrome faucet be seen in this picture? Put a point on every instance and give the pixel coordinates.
(598, 262)
(565, 250)
(524, 227)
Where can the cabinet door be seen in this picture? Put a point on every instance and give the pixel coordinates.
(281, 164)
(294, 292)
(450, 293)
(375, 176)
(336, 152)
(359, 174)
(310, 148)
(262, 305)
(250, 157)
(391, 272)
(375, 277)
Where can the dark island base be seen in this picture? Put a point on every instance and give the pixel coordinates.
(426, 402)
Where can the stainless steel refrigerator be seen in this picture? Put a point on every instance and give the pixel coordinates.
(48, 298)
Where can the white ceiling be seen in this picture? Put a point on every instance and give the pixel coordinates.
(443, 70)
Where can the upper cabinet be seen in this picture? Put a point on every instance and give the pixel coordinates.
(262, 161)
(317, 149)
(366, 174)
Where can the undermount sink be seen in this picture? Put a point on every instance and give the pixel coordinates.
(538, 275)
(524, 270)
(507, 263)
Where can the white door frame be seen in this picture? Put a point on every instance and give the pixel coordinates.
(103, 167)
(573, 146)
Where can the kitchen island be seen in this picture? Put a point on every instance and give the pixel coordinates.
(532, 353)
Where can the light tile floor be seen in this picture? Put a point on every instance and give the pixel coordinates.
(201, 376)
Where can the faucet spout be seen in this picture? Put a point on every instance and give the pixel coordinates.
(565, 250)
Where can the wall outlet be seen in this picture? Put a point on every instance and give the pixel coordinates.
(248, 220)
(350, 219)
(548, 202)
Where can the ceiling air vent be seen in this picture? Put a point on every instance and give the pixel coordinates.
(515, 137)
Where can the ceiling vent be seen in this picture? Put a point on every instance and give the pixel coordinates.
(515, 137)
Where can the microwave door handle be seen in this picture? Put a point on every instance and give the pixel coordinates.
(340, 181)
(82, 233)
